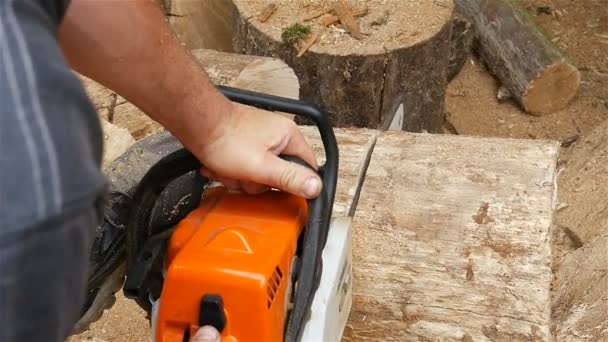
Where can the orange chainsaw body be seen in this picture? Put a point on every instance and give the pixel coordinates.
(240, 247)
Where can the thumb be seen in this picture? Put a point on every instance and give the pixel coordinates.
(291, 177)
(206, 334)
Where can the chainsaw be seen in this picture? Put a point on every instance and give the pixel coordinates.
(263, 267)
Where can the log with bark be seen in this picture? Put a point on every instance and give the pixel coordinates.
(255, 73)
(385, 54)
(518, 52)
(463, 34)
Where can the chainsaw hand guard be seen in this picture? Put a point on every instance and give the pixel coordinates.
(145, 243)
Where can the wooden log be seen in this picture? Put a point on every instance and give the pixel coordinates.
(451, 240)
(362, 82)
(516, 50)
(116, 141)
(201, 24)
(256, 73)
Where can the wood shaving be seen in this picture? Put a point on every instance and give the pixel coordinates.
(309, 42)
(267, 12)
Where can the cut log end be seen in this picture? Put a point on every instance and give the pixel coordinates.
(552, 90)
(362, 72)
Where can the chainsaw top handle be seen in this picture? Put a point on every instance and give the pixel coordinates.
(145, 245)
(315, 234)
(280, 104)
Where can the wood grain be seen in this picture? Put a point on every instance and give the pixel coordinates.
(451, 240)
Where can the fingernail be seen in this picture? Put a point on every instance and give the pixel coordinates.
(311, 187)
(206, 334)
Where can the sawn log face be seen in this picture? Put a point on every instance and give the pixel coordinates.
(451, 240)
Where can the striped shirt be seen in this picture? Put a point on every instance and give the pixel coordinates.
(50, 135)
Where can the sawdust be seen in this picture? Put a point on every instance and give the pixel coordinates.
(124, 322)
(409, 22)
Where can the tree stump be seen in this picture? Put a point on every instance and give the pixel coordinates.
(395, 52)
(200, 24)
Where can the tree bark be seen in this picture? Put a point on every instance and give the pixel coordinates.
(517, 51)
(364, 85)
(463, 34)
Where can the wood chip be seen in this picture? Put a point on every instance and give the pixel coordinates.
(315, 14)
(347, 19)
(267, 12)
(335, 19)
(309, 42)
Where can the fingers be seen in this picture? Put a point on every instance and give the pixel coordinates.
(290, 177)
(297, 146)
(235, 185)
(206, 334)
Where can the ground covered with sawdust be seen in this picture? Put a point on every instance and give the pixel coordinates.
(581, 29)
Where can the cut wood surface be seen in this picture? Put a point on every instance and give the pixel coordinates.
(262, 74)
(521, 56)
(201, 24)
(364, 70)
(116, 141)
(451, 240)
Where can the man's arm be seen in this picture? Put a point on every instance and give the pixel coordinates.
(128, 47)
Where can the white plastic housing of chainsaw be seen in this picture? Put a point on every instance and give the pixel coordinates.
(333, 300)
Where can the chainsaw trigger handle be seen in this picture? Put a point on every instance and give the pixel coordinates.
(212, 312)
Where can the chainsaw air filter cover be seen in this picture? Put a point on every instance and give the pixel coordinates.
(239, 252)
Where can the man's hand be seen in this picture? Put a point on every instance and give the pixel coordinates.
(127, 46)
(242, 153)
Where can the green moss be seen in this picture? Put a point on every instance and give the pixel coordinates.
(295, 33)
